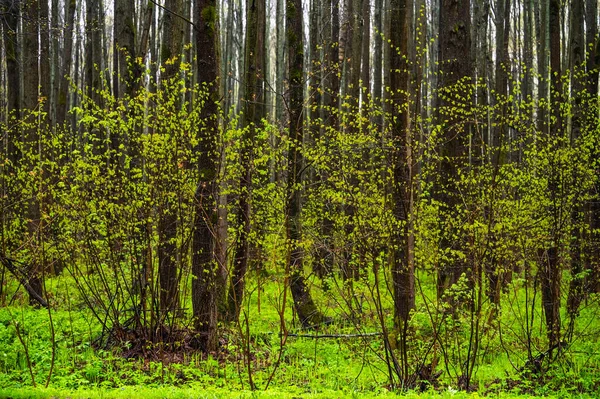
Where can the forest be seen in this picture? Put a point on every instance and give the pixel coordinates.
(299, 198)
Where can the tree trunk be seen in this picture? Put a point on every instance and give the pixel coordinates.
(454, 59)
(254, 112)
(306, 309)
(205, 284)
(495, 273)
(168, 269)
(592, 61)
(62, 102)
(576, 59)
(125, 65)
(550, 276)
(32, 139)
(403, 266)
(10, 22)
(93, 50)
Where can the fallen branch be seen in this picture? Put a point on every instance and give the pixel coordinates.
(23, 279)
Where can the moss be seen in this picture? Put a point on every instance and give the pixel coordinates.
(209, 16)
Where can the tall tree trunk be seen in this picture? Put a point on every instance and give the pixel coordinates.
(542, 18)
(62, 101)
(403, 266)
(578, 85)
(125, 65)
(168, 269)
(10, 22)
(93, 49)
(205, 284)
(365, 27)
(254, 112)
(32, 139)
(45, 58)
(306, 309)
(550, 275)
(378, 59)
(495, 273)
(592, 61)
(454, 59)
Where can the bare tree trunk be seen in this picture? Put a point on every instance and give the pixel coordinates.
(205, 285)
(10, 23)
(32, 138)
(454, 58)
(93, 47)
(62, 102)
(168, 269)
(495, 273)
(126, 70)
(45, 57)
(550, 275)
(542, 18)
(578, 85)
(254, 112)
(593, 260)
(306, 309)
(378, 58)
(365, 27)
(403, 266)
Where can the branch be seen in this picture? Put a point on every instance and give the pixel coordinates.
(176, 14)
(23, 279)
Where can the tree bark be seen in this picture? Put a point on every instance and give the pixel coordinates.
(305, 307)
(62, 101)
(168, 268)
(32, 139)
(550, 275)
(254, 112)
(455, 64)
(206, 284)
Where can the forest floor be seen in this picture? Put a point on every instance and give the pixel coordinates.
(346, 361)
(137, 392)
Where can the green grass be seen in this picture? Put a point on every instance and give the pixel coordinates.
(207, 393)
(310, 368)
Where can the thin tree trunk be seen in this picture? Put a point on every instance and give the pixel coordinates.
(306, 309)
(254, 112)
(62, 102)
(168, 269)
(32, 139)
(403, 266)
(550, 276)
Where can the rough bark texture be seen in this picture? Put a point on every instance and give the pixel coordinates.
(168, 268)
(378, 58)
(303, 303)
(124, 36)
(62, 101)
(31, 136)
(593, 59)
(494, 272)
(403, 270)
(93, 49)
(550, 273)
(10, 23)
(205, 285)
(253, 114)
(454, 58)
